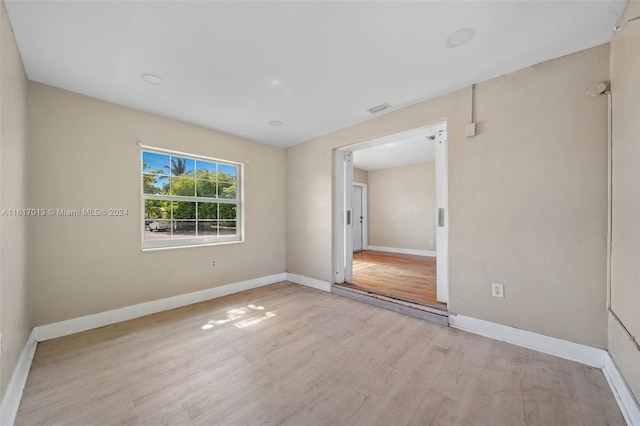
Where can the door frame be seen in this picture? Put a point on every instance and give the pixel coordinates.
(365, 215)
(442, 229)
(342, 236)
(342, 204)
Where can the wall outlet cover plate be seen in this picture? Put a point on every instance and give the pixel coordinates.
(497, 290)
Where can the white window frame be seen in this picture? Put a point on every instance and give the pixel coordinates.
(198, 241)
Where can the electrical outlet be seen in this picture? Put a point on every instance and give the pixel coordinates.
(213, 263)
(497, 290)
(431, 243)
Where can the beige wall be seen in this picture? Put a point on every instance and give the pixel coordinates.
(15, 323)
(85, 156)
(625, 273)
(527, 197)
(402, 202)
(360, 176)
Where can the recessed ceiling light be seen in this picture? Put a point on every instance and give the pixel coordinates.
(152, 78)
(459, 37)
(276, 123)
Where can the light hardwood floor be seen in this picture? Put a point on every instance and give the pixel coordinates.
(287, 354)
(402, 276)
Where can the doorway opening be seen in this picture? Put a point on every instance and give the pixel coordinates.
(391, 233)
(407, 277)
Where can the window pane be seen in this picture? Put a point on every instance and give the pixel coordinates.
(183, 185)
(207, 228)
(227, 211)
(207, 211)
(227, 181)
(181, 166)
(156, 223)
(155, 209)
(226, 169)
(160, 235)
(206, 188)
(206, 170)
(155, 184)
(183, 229)
(227, 227)
(183, 210)
(155, 163)
(227, 190)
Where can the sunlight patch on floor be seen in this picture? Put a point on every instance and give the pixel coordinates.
(239, 317)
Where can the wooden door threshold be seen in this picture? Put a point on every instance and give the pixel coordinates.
(438, 316)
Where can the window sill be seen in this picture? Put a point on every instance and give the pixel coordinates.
(186, 246)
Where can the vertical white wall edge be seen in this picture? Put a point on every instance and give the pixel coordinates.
(13, 396)
(627, 403)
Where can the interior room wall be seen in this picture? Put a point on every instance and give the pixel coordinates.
(402, 203)
(625, 270)
(360, 176)
(527, 196)
(85, 155)
(15, 322)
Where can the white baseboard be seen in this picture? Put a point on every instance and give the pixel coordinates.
(588, 355)
(88, 322)
(11, 400)
(309, 282)
(627, 403)
(428, 253)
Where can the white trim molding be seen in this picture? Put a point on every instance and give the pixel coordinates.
(627, 403)
(588, 355)
(88, 322)
(428, 253)
(309, 282)
(13, 396)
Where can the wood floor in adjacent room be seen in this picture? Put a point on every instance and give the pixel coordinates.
(288, 354)
(401, 276)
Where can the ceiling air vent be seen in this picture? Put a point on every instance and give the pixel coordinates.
(379, 108)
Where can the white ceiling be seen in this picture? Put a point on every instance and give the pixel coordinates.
(317, 66)
(412, 147)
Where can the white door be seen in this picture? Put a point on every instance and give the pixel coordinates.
(357, 218)
(442, 219)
